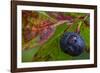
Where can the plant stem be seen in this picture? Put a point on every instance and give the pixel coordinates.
(80, 23)
(78, 28)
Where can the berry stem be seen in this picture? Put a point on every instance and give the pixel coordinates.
(80, 23)
(78, 27)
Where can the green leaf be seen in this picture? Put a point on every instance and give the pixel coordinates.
(27, 55)
(50, 47)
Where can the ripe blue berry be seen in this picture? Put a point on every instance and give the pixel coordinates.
(72, 43)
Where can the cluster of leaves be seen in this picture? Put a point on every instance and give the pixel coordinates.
(50, 50)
